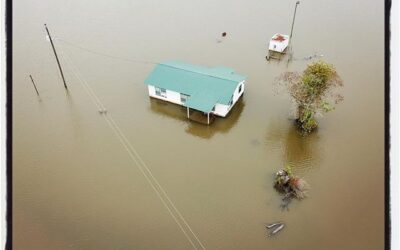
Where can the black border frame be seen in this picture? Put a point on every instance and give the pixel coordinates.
(9, 68)
(387, 231)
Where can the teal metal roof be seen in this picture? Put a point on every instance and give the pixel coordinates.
(203, 101)
(206, 86)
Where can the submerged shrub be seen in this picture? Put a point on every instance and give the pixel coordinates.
(290, 186)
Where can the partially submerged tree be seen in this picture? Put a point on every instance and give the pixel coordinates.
(290, 186)
(313, 91)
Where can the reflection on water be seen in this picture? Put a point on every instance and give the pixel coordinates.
(301, 152)
(220, 124)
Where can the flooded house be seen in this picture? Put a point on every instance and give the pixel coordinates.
(205, 92)
(277, 46)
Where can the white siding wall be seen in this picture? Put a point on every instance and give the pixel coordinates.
(237, 94)
(223, 110)
(220, 109)
(277, 46)
(172, 96)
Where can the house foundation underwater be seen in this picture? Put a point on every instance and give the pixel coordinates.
(209, 91)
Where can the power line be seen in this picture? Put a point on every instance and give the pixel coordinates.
(103, 54)
(134, 155)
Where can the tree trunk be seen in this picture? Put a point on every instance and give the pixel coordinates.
(300, 111)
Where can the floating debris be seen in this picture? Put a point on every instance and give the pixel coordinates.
(289, 185)
(308, 58)
(223, 35)
(269, 226)
(275, 227)
(103, 111)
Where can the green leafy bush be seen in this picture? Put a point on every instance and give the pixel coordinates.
(313, 91)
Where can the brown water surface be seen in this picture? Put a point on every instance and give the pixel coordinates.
(76, 187)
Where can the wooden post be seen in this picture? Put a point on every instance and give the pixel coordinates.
(208, 118)
(187, 111)
(55, 53)
(34, 85)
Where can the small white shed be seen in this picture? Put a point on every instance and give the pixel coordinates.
(278, 45)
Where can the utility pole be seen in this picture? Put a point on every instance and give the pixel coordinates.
(294, 17)
(34, 85)
(291, 31)
(55, 53)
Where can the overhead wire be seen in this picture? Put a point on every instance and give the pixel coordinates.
(143, 167)
(103, 54)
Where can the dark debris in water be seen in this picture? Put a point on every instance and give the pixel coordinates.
(223, 36)
(290, 186)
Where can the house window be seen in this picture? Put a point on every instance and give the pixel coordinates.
(213, 109)
(158, 91)
(240, 88)
(231, 101)
(161, 92)
(184, 98)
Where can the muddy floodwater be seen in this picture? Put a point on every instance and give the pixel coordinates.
(77, 185)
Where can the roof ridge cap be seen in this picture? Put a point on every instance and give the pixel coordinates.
(196, 72)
